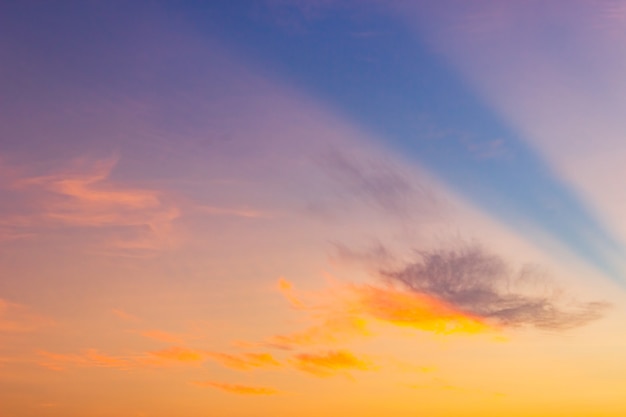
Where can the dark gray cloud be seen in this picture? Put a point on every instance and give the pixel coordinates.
(483, 284)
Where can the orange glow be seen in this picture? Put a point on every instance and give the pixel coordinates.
(16, 318)
(162, 336)
(237, 389)
(179, 354)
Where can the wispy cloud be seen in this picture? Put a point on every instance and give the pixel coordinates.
(245, 361)
(237, 389)
(379, 183)
(177, 354)
(231, 211)
(125, 316)
(331, 363)
(131, 220)
(481, 284)
(93, 358)
(332, 323)
(89, 358)
(374, 256)
(17, 318)
(352, 311)
(332, 330)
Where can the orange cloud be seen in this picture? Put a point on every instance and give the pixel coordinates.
(286, 289)
(332, 330)
(330, 363)
(245, 361)
(237, 389)
(106, 361)
(350, 311)
(402, 308)
(333, 322)
(93, 358)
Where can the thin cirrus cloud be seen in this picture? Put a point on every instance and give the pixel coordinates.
(332, 323)
(161, 336)
(334, 329)
(245, 361)
(331, 363)
(319, 364)
(236, 388)
(18, 318)
(90, 358)
(125, 316)
(177, 355)
(93, 358)
(226, 211)
(240, 362)
(379, 183)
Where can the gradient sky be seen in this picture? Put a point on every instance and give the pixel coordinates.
(312, 207)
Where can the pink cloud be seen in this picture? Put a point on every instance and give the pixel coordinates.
(128, 220)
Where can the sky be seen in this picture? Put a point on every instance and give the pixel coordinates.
(312, 207)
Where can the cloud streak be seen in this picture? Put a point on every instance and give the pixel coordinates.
(379, 183)
(246, 361)
(237, 389)
(90, 358)
(331, 363)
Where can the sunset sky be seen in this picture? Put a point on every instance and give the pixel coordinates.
(241, 208)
